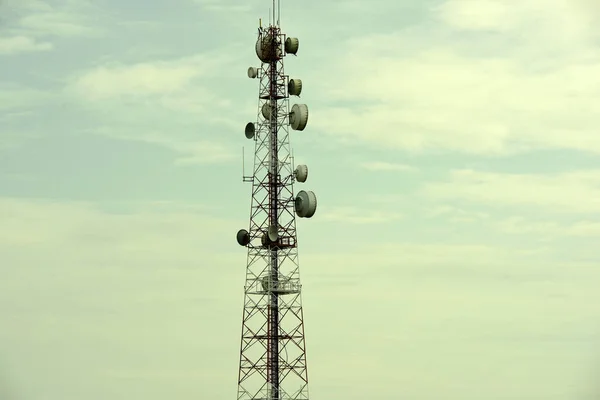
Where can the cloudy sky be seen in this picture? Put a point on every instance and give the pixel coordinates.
(453, 146)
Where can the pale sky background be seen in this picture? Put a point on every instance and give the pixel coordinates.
(453, 146)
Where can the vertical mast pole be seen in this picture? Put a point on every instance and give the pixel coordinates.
(273, 334)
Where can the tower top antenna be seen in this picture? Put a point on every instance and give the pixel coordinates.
(276, 13)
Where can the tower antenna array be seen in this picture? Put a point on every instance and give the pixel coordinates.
(272, 353)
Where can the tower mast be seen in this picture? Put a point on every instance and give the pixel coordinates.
(273, 354)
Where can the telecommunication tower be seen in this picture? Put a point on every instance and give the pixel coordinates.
(273, 353)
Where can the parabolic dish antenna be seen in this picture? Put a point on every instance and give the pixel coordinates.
(299, 117)
(252, 72)
(243, 237)
(291, 45)
(301, 173)
(268, 49)
(266, 111)
(295, 87)
(272, 233)
(305, 204)
(250, 130)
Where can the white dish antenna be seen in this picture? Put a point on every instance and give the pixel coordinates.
(267, 48)
(272, 233)
(250, 130)
(305, 204)
(295, 87)
(291, 45)
(299, 117)
(266, 111)
(301, 173)
(252, 72)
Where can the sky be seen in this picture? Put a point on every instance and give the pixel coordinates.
(453, 146)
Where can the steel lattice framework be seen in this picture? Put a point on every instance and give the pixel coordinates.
(273, 355)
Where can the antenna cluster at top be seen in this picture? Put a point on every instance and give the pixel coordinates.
(271, 47)
(268, 51)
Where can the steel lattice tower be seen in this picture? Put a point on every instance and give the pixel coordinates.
(273, 354)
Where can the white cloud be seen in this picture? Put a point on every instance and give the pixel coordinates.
(549, 229)
(70, 18)
(195, 152)
(147, 233)
(385, 166)
(19, 97)
(22, 44)
(223, 7)
(9, 140)
(479, 106)
(562, 19)
(191, 151)
(479, 14)
(449, 262)
(483, 95)
(163, 103)
(455, 214)
(569, 192)
(178, 85)
(355, 215)
(58, 24)
(436, 254)
(388, 198)
(203, 153)
(138, 80)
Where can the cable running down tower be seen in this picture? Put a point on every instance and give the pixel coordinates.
(273, 353)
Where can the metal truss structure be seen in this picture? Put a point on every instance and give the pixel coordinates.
(272, 362)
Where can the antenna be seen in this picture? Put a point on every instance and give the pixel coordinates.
(273, 342)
